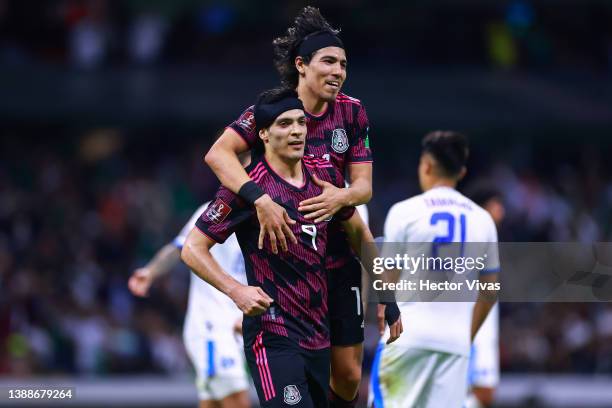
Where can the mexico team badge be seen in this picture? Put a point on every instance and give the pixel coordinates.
(292, 395)
(218, 211)
(339, 140)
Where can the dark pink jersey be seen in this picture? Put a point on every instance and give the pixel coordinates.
(296, 279)
(340, 135)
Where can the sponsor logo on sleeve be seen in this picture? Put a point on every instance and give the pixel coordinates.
(247, 121)
(217, 212)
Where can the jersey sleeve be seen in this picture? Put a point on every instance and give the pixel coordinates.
(179, 241)
(245, 126)
(359, 142)
(224, 215)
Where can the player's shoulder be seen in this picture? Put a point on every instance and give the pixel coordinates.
(257, 169)
(343, 98)
(476, 209)
(480, 213)
(408, 207)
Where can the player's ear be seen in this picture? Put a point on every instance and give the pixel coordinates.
(428, 164)
(299, 65)
(263, 135)
(462, 173)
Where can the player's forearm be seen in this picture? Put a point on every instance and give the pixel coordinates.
(358, 234)
(164, 260)
(202, 263)
(479, 314)
(360, 189)
(484, 304)
(224, 162)
(359, 192)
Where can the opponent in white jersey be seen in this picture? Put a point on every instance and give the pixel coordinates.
(427, 366)
(211, 323)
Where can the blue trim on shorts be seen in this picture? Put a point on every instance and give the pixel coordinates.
(378, 398)
(211, 358)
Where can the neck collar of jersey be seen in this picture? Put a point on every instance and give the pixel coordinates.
(274, 174)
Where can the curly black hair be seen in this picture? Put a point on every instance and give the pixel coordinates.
(308, 21)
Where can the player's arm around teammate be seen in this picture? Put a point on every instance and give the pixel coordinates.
(251, 300)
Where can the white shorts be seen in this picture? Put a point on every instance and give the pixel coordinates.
(218, 360)
(406, 377)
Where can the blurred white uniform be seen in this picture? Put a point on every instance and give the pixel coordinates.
(484, 357)
(428, 365)
(212, 345)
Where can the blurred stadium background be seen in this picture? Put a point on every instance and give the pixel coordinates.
(108, 107)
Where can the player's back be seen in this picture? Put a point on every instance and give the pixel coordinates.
(439, 216)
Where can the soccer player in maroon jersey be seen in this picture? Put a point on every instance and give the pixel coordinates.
(311, 59)
(286, 327)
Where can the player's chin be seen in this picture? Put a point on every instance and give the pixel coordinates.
(295, 154)
(329, 95)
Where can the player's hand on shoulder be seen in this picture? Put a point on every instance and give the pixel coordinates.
(326, 204)
(251, 300)
(273, 223)
(140, 281)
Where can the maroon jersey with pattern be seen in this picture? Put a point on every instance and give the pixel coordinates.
(340, 136)
(296, 279)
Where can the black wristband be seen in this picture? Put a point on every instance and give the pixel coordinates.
(250, 191)
(392, 312)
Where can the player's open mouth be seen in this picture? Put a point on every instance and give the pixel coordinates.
(333, 84)
(296, 143)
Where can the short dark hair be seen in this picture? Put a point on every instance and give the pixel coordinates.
(449, 149)
(308, 21)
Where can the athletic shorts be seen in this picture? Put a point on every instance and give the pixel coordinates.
(218, 360)
(345, 305)
(406, 377)
(286, 374)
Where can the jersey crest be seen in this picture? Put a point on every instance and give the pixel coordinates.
(292, 395)
(340, 142)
